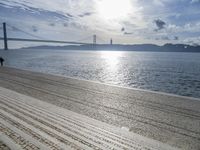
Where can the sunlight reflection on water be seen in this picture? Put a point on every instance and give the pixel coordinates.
(111, 61)
(177, 73)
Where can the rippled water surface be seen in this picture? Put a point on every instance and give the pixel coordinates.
(177, 73)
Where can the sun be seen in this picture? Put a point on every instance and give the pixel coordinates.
(113, 9)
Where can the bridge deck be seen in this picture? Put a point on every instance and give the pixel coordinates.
(63, 115)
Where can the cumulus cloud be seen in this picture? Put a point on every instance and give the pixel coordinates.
(188, 27)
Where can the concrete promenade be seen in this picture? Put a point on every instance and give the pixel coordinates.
(56, 112)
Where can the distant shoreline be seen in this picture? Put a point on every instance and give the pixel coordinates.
(119, 47)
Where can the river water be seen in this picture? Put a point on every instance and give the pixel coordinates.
(177, 73)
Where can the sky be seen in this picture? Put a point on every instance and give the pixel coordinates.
(125, 21)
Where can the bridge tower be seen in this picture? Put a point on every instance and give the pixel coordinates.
(111, 41)
(5, 37)
(94, 39)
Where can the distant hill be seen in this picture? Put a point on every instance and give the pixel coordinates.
(121, 47)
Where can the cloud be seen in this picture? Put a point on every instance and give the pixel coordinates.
(176, 38)
(122, 29)
(34, 29)
(52, 24)
(166, 38)
(14, 28)
(159, 24)
(158, 2)
(78, 26)
(192, 40)
(86, 14)
(185, 28)
(65, 24)
(195, 1)
(128, 33)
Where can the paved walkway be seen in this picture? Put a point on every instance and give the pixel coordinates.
(27, 123)
(170, 119)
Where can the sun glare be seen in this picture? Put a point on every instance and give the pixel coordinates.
(111, 57)
(113, 9)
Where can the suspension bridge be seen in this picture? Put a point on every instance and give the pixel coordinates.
(38, 39)
(41, 111)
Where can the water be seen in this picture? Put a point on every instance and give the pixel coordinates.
(177, 73)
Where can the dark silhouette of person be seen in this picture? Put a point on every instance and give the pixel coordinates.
(1, 61)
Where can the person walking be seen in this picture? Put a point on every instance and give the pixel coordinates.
(1, 61)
